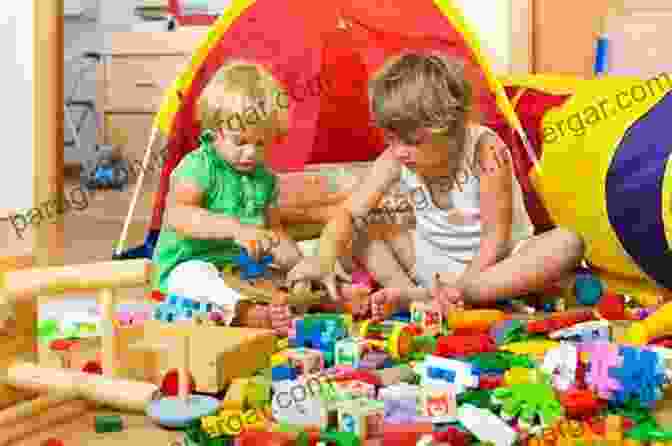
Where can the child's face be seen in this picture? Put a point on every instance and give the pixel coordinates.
(238, 149)
(422, 149)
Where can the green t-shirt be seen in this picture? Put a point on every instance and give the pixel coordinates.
(227, 192)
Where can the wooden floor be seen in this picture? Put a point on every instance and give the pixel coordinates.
(91, 234)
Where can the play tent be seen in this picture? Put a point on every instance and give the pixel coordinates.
(341, 43)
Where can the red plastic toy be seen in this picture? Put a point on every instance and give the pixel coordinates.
(612, 308)
(458, 346)
(169, 384)
(559, 321)
(452, 436)
(489, 382)
(52, 442)
(580, 404)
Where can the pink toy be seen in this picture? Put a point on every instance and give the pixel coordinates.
(603, 356)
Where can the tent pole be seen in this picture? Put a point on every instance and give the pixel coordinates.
(136, 193)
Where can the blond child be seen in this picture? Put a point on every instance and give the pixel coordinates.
(472, 231)
(222, 197)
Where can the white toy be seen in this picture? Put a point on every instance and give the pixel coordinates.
(560, 363)
(590, 331)
(486, 426)
(435, 370)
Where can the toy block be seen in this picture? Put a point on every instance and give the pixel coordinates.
(436, 370)
(613, 429)
(356, 389)
(486, 426)
(439, 403)
(350, 351)
(401, 402)
(424, 315)
(362, 417)
(298, 404)
(108, 423)
(374, 360)
(235, 395)
(238, 353)
(407, 434)
(305, 361)
(283, 373)
(395, 375)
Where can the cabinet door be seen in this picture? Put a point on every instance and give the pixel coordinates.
(565, 33)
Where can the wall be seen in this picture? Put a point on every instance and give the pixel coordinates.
(16, 48)
(491, 20)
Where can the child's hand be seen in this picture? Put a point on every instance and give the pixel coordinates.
(448, 299)
(281, 318)
(384, 303)
(309, 270)
(258, 242)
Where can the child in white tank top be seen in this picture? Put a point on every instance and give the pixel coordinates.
(469, 209)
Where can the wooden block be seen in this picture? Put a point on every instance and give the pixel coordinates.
(363, 417)
(235, 395)
(216, 354)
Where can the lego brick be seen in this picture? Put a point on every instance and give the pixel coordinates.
(108, 423)
(283, 373)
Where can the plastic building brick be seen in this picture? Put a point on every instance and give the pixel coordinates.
(584, 332)
(108, 423)
(611, 307)
(641, 376)
(580, 403)
(603, 356)
(460, 346)
(251, 269)
(453, 436)
(283, 373)
(437, 370)
(485, 426)
(511, 330)
(561, 364)
(401, 403)
(528, 402)
(559, 321)
(340, 438)
(489, 382)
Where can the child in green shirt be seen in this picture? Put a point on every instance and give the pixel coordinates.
(221, 194)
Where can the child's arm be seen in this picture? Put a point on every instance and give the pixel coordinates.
(187, 216)
(496, 197)
(338, 233)
(287, 253)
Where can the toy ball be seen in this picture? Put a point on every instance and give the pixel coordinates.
(588, 289)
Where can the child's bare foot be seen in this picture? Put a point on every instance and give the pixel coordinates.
(384, 303)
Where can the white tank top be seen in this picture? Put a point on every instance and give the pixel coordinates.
(436, 234)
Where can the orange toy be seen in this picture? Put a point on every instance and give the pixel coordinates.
(475, 319)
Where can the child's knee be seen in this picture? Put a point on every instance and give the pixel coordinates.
(574, 244)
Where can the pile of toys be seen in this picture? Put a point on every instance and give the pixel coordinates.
(484, 378)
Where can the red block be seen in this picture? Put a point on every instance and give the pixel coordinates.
(264, 438)
(405, 434)
(459, 346)
(453, 437)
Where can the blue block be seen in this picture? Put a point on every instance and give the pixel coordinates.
(283, 373)
(437, 373)
(300, 333)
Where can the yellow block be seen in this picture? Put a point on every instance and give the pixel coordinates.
(536, 347)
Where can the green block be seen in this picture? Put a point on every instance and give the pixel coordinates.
(108, 423)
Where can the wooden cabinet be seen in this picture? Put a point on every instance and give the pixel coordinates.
(137, 70)
(565, 33)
